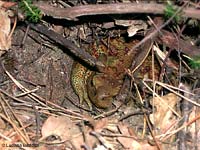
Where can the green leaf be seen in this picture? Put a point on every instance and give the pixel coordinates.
(195, 62)
(170, 10)
(32, 13)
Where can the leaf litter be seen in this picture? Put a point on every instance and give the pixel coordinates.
(51, 125)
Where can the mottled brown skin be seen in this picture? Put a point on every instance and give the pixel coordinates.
(79, 77)
(101, 88)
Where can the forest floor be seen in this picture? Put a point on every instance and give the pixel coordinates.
(144, 85)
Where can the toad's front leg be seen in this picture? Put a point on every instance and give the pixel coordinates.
(79, 77)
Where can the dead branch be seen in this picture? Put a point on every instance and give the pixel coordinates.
(120, 8)
(68, 45)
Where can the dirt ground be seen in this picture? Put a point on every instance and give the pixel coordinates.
(157, 106)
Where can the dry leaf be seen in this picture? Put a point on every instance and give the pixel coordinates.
(194, 128)
(82, 34)
(162, 56)
(2, 124)
(163, 117)
(133, 29)
(124, 23)
(99, 125)
(7, 4)
(66, 130)
(130, 143)
(5, 40)
(24, 116)
(133, 25)
(60, 126)
(124, 128)
(100, 147)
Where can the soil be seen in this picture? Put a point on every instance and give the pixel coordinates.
(40, 69)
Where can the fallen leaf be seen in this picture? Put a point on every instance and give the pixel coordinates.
(100, 147)
(133, 25)
(7, 4)
(162, 56)
(124, 128)
(163, 116)
(100, 124)
(66, 130)
(129, 143)
(133, 29)
(132, 143)
(5, 40)
(59, 126)
(2, 124)
(24, 116)
(194, 128)
(124, 23)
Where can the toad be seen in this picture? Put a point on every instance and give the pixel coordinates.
(99, 88)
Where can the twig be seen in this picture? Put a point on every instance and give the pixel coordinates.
(184, 126)
(167, 87)
(5, 137)
(25, 36)
(108, 113)
(38, 123)
(39, 99)
(23, 137)
(14, 115)
(155, 32)
(14, 98)
(164, 103)
(101, 139)
(28, 92)
(146, 119)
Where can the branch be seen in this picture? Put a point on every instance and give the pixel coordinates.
(120, 8)
(67, 45)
